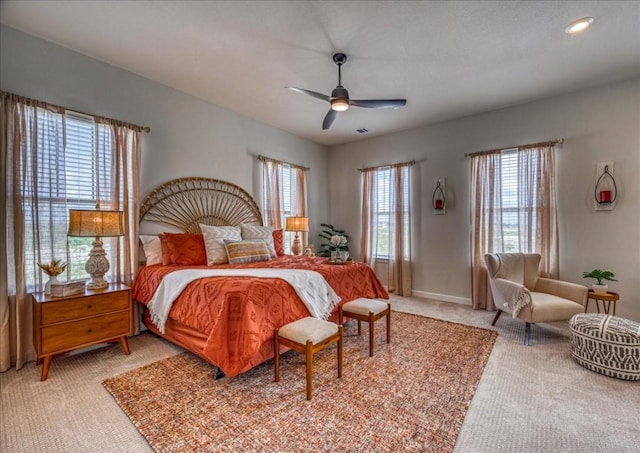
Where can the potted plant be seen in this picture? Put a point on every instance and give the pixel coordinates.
(600, 276)
(328, 246)
(52, 269)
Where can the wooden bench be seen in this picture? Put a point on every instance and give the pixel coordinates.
(367, 310)
(307, 336)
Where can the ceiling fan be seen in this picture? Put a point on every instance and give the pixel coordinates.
(339, 98)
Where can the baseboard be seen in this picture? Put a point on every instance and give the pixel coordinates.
(442, 297)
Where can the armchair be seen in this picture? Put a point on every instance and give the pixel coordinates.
(517, 289)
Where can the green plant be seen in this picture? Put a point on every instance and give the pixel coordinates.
(327, 247)
(600, 275)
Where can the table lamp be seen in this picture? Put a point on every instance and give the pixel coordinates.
(98, 224)
(297, 224)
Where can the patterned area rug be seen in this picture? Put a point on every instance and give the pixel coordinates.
(411, 396)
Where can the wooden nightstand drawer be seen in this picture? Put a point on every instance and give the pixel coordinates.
(84, 307)
(61, 337)
(61, 324)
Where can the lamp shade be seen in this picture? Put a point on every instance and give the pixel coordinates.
(84, 223)
(297, 223)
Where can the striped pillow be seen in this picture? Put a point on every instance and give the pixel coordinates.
(240, 252)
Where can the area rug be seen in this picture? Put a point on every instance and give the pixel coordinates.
(411, 396)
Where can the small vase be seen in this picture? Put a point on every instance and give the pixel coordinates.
(334, 255)
(600, 289)
(47, 286)
(343, 255)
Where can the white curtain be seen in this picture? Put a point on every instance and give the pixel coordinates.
(284, 193)
(513, 209)
(386, 224)
(36, 197)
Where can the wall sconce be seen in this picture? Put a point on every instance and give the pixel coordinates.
(439, 200)
(605, 191)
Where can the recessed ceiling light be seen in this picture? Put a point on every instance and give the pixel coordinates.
(579, 25)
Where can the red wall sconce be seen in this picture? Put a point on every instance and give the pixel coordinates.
(605, 191)
(439, 200)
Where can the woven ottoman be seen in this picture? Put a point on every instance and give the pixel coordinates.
(606, 344)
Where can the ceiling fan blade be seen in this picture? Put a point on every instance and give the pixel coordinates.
(329, 119)
(320, 96)
(379, 103)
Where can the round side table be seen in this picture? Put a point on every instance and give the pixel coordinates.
(606, 299)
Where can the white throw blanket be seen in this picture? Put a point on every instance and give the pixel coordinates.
(314, 291)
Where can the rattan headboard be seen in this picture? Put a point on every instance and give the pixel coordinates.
(185, 203)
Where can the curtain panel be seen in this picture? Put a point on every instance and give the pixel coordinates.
(284, 193)
(35, 203)
(386, 224)
(498, 212)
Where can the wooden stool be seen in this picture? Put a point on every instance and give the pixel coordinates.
(308, 336)
(367, 310)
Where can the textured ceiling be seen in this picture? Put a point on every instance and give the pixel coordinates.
(448, 59)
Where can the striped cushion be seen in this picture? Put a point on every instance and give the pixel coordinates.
(259, 233)
(246, 251)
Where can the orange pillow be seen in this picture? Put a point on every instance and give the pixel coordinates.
(186, 249)
(278, 241)
(166, 256)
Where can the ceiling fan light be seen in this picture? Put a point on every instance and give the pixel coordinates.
(578, 25)
(339, 105)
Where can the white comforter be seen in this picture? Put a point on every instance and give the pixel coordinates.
(314, 291)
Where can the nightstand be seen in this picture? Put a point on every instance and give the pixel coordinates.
(62, 324)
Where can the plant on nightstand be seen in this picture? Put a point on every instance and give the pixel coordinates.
(52, 269)
(600, 276)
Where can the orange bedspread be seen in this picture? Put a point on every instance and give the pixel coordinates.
(239, 314)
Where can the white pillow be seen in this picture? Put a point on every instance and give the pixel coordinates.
(214, 237)
(152, 249)
(263, 233)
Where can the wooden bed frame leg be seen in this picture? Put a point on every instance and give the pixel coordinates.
(496, 318)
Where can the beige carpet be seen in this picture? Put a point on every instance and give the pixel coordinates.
(531, 399)
(411, 396)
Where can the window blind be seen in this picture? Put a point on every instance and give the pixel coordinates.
(70, 157)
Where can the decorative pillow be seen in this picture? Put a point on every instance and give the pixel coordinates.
(186, 249)
(152, 249)
(278, 241)
(166, 256)
(214, 237)
(263, 233)
(246, 251)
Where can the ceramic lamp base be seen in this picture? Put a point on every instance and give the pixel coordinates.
(296, 247)
(97, 265)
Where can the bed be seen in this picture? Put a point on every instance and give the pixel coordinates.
(229, 320)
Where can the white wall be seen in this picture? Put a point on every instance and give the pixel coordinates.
(601, 124)
(189, 137)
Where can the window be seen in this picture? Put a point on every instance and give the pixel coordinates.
(283, 195)
(518, 207)
(385, 210)
(72, 150)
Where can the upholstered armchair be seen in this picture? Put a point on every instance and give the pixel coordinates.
(518, 290)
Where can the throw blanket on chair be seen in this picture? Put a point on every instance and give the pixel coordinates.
(511, 282)
(314, 291)
(515, 295)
